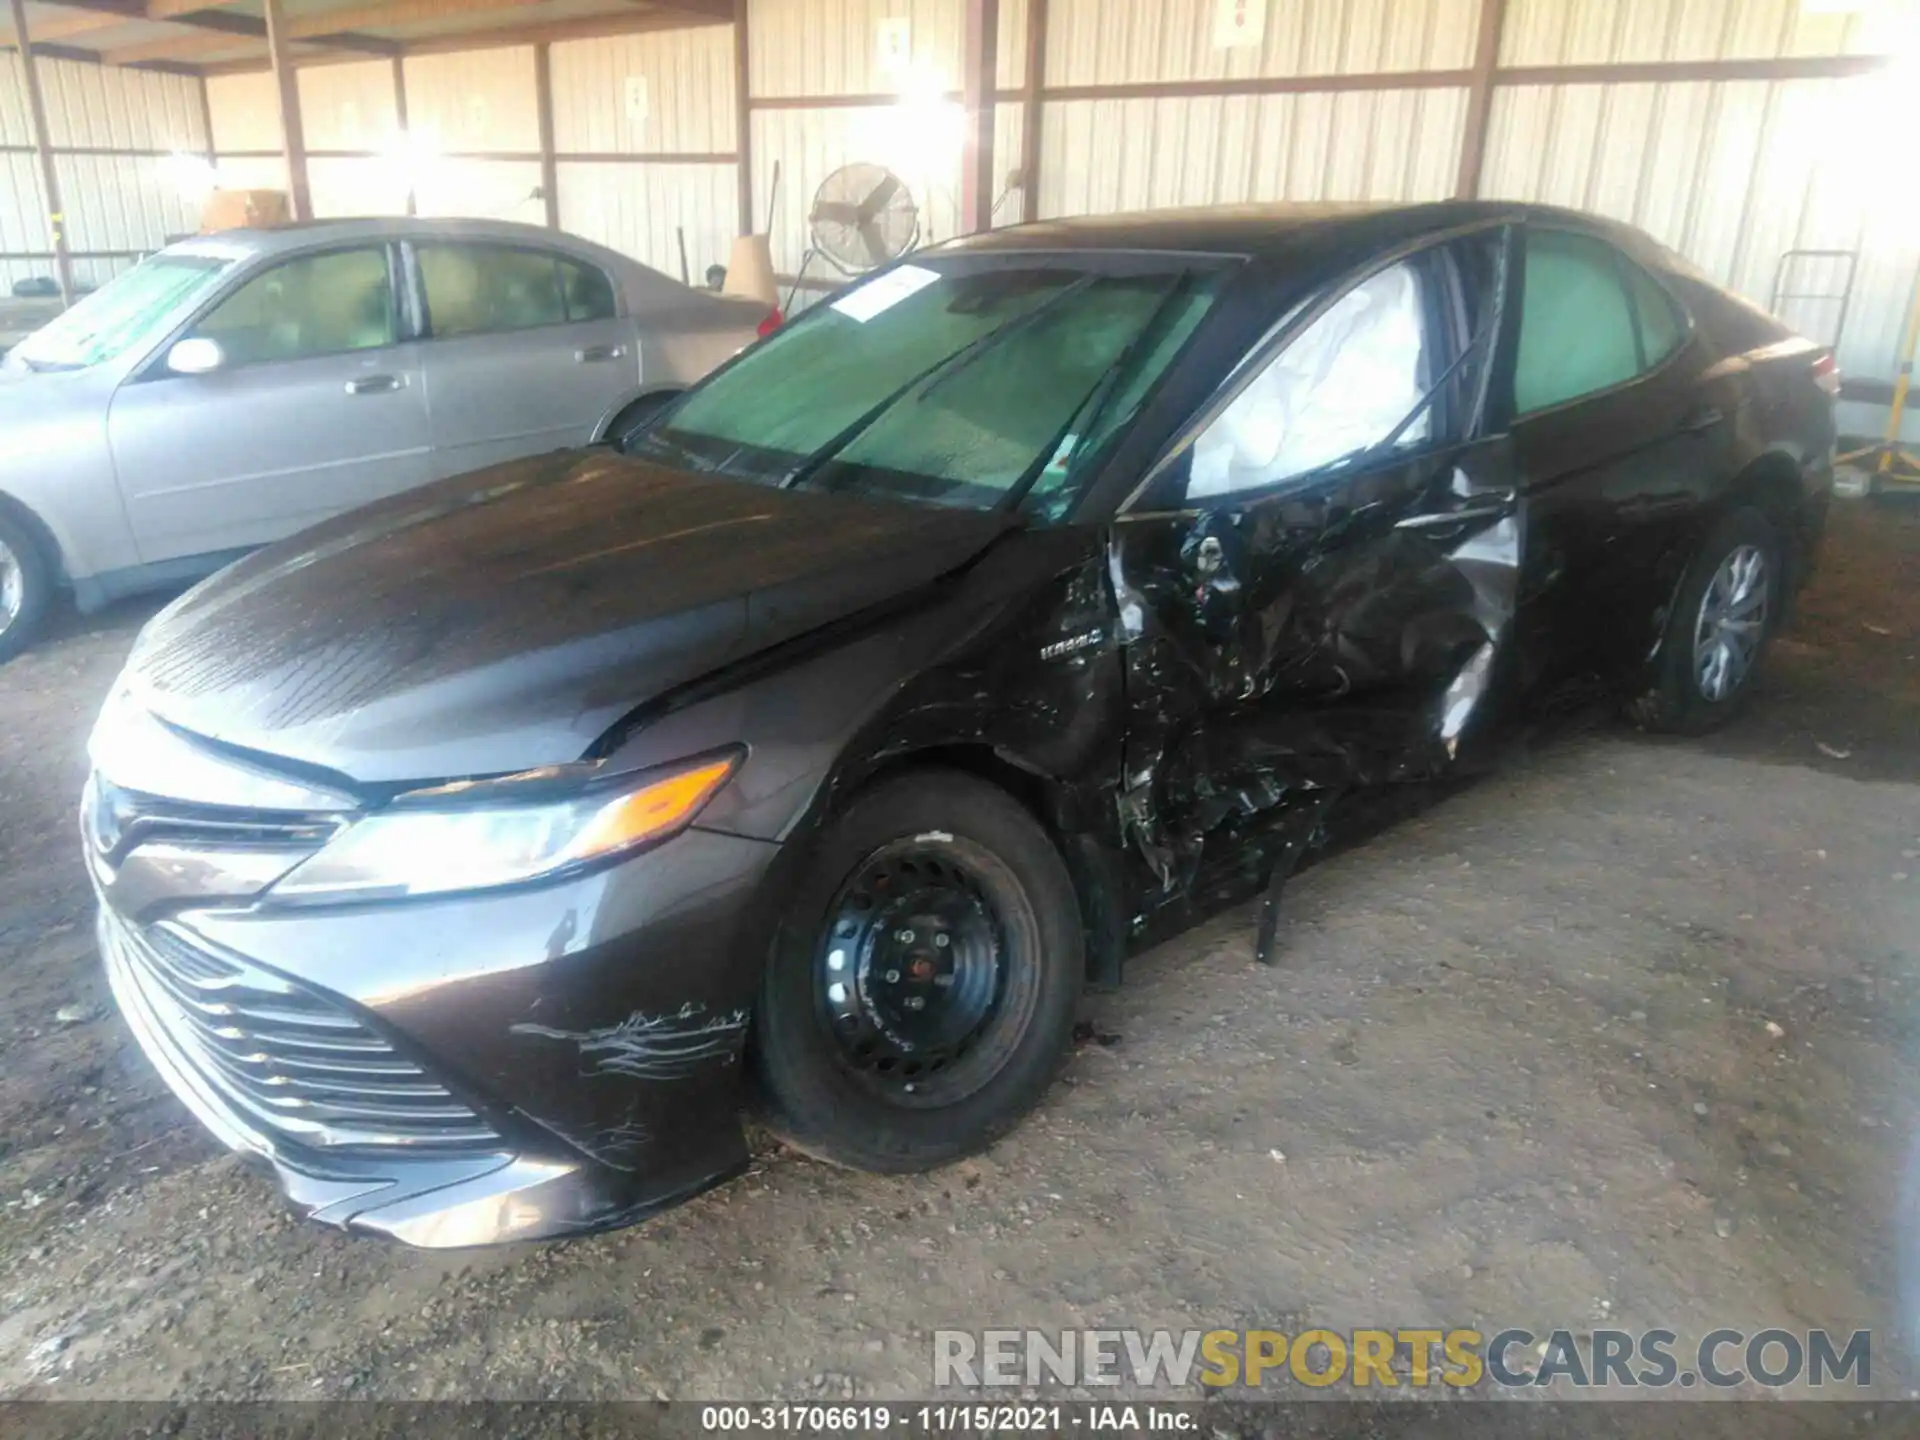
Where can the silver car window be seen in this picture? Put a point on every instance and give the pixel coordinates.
(326, 304)
(487, 289)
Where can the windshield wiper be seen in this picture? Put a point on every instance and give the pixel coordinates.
(1094, 406)
(932, 377)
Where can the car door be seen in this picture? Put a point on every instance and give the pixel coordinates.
(315, 405)
(1620, 435)
(1315, 590)
(528, 350)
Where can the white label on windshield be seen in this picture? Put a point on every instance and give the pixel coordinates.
(878, 296)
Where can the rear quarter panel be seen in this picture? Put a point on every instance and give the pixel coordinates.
(1785, 429)
(684, 334)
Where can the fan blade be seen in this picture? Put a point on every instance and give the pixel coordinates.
(876, 243)
(840, 212)
(877, 201)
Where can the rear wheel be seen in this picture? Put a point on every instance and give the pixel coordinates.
(26, 586)
(920, 996)
(1728, 605)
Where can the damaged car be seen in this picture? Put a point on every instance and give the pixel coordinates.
(473, 859)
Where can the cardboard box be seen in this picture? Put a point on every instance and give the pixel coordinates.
(244, 210)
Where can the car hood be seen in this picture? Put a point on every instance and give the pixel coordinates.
(25, 394)
(504, 620)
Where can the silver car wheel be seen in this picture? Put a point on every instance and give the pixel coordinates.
(1732, 623)
(13, 587)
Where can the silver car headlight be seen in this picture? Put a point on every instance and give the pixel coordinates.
(478, 836)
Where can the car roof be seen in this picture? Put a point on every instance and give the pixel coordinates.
(304, 235)
(1265, 231)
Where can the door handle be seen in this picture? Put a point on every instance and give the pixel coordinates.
(374, 384)
(595, 353)
(1436, 519)
(1700, 417)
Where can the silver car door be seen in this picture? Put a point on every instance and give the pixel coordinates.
(526, 350)
(315, 404)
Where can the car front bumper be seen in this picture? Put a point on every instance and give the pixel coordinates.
(472, 1069)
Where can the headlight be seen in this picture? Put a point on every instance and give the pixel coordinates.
(478, 836)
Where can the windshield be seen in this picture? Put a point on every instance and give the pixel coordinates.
(959, 382)
(134, 307)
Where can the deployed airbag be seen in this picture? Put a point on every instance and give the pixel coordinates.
(1341, 386)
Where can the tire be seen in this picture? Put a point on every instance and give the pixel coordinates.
(1689, 698)
(26, 586)
(636, 415)
(941, 859)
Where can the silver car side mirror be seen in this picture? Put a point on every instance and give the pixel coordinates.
(197, 356)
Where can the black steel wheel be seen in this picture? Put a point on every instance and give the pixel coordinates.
(920, 976)
(921, 996)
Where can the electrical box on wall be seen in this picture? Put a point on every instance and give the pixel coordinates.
(893, 42)
(637, 99)
(1239, 23)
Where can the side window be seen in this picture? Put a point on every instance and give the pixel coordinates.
(1576, 322)
(482, 289)
(588, 292)
(316, 305)
(1662, 329)
(1341, 387)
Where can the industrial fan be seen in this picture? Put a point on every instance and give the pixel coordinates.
(863, 216)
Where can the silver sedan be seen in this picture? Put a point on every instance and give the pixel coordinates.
(235, 388)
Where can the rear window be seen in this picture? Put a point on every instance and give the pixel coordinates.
(1577, 328)
(487, 289)
(1662, 327)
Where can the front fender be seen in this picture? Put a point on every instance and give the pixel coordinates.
(1015, 656)
(55, 464)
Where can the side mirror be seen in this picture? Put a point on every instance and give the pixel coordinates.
(198, 356)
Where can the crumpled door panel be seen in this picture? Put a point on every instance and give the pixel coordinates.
(1283, 652)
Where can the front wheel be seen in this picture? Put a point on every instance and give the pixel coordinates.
(920, 995)
(26, 587)
(1725, 612)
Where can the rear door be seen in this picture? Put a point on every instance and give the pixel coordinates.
(1621, 435)
(317, 407)
(527, 350)
(1316, 590)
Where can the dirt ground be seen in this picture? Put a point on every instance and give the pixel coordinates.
(1518, 1066)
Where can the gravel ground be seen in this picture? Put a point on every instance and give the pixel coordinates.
(1623, 1035)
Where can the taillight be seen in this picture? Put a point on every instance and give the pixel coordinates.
(1826, 374)
(772, 323)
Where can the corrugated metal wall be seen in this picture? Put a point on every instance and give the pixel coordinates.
(658, 95)
(246, 133)
(1143, 152)
(1107, 155)
(1109, 42)
(475, 139)
(351, 108)
(1596, 32)
(119, 197)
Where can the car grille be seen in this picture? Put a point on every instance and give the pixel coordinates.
(116, 822)
(288, 1063)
